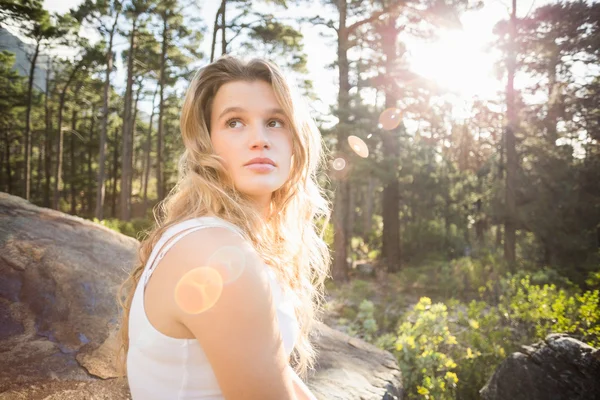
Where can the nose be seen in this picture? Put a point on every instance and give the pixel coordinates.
(259, 137)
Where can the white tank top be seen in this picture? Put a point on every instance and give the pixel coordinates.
(163, 367)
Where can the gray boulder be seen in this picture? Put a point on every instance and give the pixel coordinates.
(558, 368)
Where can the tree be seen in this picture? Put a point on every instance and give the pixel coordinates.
(90, 57)
(19, 11)
(42, 29)
(135, 10)
(13, 89)
(175, 54)
(104, 15)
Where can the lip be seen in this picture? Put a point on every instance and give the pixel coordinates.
(260, 167)
(260, 161)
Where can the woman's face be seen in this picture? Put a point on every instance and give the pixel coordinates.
(250, 131)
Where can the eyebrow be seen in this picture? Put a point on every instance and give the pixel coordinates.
(241, 110)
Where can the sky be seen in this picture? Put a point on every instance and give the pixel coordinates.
(459, 60)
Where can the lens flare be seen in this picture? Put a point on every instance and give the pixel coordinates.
(229, 261)
(389, 119)
(198, 290)
(338, 164)
(358, 146)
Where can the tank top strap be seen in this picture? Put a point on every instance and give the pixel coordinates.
(178, 231)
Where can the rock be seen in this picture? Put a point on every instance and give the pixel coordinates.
(349, 368)
(111, 389)
(58, 282)
(59, 276)
(558, 368)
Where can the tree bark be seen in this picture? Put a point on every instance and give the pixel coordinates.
(47, 140)
(90, 170)
(553, 98)
(28, 121)
(134, 161)
(114, 175)
(73, 183)
(224, 29)
(160, 189)
(368, 207)
(100, 185)
(148, 149)
(127, 153)
(339, 270)
(59, 152)
(391, 153)
(215, 29)
(511, 152)
(7, 160)
(40, 162)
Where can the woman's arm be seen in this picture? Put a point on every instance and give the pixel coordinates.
(302, 391)
(236, 322)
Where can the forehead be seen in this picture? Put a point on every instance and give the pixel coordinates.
(256, 96)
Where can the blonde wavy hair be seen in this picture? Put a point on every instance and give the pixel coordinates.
(291, 241)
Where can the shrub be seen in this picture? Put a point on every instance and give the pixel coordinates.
(448, 351)
(134, 228)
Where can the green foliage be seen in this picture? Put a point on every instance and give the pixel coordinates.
(459, 278)
(135, 228)
(448, 351)
(361, 324)
(358, 290)
(593, 280)
(534, 311)
(423, 350)
(431, 235)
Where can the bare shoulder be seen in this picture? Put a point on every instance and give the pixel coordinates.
(216, 251)
(220, 291)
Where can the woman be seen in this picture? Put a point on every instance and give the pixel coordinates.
(230, 280)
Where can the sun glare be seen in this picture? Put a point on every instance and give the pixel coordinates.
(458, 62)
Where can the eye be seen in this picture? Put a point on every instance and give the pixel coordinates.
(229, 121)
(277, 120)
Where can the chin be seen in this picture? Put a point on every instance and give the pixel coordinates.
(259, 189)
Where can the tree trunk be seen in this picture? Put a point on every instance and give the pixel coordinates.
(73, 179)
(224, 28)
(148, 149)
(48, 158)
(134, 162)
(159, 151)
(48, 138)
(59, 152)
(100, 187)
(511, 152)
(40, 162)
(215, 29)
(114, 174)
(28, 121)
(126, 159)
(553, 98)
(9, 187)
(90, 155)
(391, 153)
(8, 167)
(339, 270)
(368, 208)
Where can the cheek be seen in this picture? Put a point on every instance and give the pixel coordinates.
(220, 146)
(289, 145)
